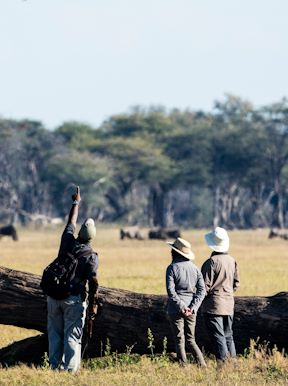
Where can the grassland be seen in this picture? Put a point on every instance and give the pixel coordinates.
(140, 266)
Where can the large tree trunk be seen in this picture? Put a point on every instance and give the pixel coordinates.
(216, 199)
(126, 317)
(158, 206)
(277, 205)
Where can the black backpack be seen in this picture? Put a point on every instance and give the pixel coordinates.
(58, 276)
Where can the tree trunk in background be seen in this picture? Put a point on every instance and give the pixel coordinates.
(216, 203)
(169, 211)
(113, 199)
(277, 205)
(227, 204)
(158, 206)
(126, 317)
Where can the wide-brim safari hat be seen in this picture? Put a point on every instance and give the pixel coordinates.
(183, 247)
(218, 240)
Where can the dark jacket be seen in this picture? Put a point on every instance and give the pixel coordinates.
(87, 265)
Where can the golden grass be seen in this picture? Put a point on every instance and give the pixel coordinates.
(140, 266)
(272, 371)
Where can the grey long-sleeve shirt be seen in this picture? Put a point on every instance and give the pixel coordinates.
(185, 286)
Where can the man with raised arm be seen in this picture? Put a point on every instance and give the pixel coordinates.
(66, 317)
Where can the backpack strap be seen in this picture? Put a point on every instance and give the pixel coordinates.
(80, 253)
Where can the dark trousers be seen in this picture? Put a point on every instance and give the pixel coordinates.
(220, 330)
(183, 328)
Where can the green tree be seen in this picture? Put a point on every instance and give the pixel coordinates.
(65, 171)
(136, 143)
(274, 119)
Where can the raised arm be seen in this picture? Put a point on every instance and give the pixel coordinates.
(73, 214)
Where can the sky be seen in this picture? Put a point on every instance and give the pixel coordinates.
(86, 60)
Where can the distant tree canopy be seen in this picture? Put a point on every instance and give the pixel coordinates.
(151, 167)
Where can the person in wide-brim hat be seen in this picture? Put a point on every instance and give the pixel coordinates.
(218, 240)
(186, 290)
(221, 278)
(183, 247)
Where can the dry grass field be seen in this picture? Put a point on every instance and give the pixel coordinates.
(140, 266)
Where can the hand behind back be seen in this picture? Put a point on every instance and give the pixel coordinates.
(187, 311)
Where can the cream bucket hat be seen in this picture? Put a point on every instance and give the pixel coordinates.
(183, 247)
(218, 240)
(88, 230)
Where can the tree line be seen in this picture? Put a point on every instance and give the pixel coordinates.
(153, 167)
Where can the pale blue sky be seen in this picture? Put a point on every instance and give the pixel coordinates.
(88, 59)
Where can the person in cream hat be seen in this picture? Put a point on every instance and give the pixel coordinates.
(221, 279)
(186, 290)
(218, 240)
(183, 248)
(87, 231)
(66, 317)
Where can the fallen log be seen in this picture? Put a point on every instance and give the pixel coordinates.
(126, 317)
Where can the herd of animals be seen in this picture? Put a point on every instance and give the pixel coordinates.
(278, 233)
(134, 232)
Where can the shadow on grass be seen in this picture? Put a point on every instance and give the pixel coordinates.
(29, 351)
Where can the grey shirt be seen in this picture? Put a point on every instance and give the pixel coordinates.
(185, 286)
(221, 279)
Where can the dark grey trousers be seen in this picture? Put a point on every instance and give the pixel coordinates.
(183, 328)
(220, 330)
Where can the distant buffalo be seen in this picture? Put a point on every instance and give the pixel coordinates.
(278, 233)
(163, 234)
(131, 233)
(9, 230)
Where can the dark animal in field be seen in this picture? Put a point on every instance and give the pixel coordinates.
(164, 234)
(278, 233)
(9, 230)
(131, 233)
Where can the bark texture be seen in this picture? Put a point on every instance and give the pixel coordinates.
(126, 316)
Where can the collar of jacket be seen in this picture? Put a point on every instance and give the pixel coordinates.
(179, 259)
(218, 253)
